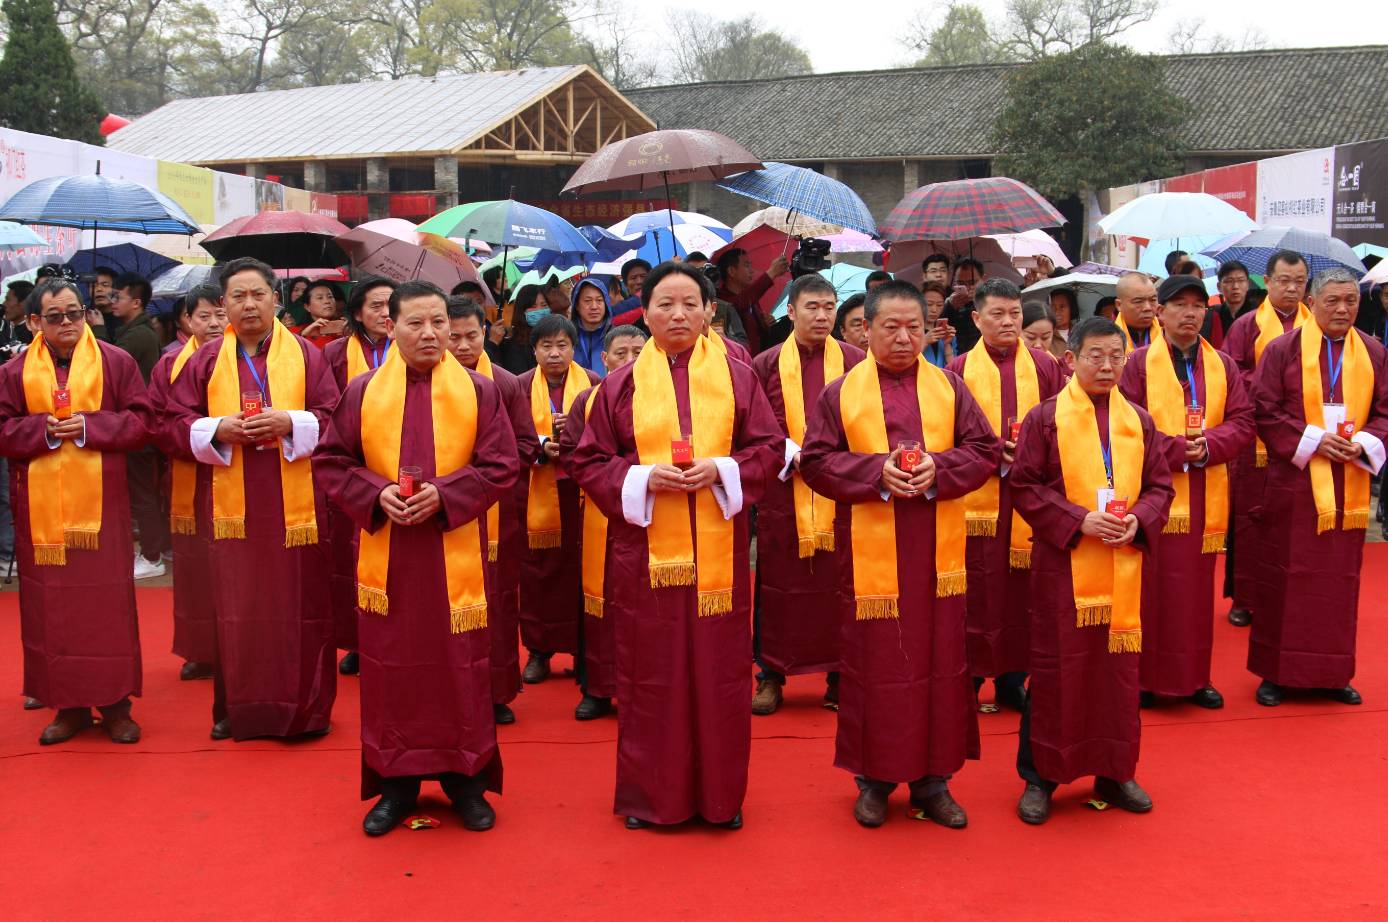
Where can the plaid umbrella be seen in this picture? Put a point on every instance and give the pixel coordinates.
(1322, 251)
(969, 208)
(806, 192)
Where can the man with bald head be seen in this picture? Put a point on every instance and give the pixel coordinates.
(1137, 309)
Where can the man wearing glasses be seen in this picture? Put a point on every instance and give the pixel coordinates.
(72, 407)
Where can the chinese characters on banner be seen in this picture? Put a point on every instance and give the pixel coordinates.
(583, 211)
(1361, 183)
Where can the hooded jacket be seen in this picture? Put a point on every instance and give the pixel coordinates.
(589, 347)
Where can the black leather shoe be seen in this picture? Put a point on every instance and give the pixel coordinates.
(1208, 697)
(1146, 699)
(943, 809)
(192, 671)
(221, 730)
(503, 714)
(386, 815)
(536, 668)
(592, 707)
(634, 822)
(734, 823)
(1012, 697)
(350, 664)
(1346, 695)
(870, 809)
(1240, 617)
(477, 815)
(33, 704)
(1129, 795)
(1035, 806)
(1269, 694)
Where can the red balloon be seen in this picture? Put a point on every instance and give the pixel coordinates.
(112, 123)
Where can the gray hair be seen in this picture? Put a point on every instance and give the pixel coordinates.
(1334, 276)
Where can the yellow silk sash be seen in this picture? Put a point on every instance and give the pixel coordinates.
(984, 381)
(1106, 581)
(875, 581)
(1269, 328)
(453, 415)
(64, 484)
(594, 544)
(183, 495)
(814, 514)
(542, 519)
(1154, 337)
(484, 368)
(285, 370)
(674, 557)
(1166, 402)
(357, 362)
(1358, 376)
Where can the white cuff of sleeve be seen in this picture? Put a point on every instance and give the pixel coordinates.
(728, 493)
(791, 451)
(80, 441)
(1002, 471)
(637, 501)
(201, 442)
(1306, 448)
(304, 437)
(886, 497)
(1372, 460)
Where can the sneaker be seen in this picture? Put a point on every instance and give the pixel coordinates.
(146, 570)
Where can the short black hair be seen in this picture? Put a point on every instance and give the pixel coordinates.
(728, 258)
(359, 293)
(461, 307)
(492, 279)
(616, 333)
(813, 282)
(895, 289)
(1033, 311)
(553, 325)
(247, 264)
(1286, 258)
(671, 267)
(1230, 267)
(1174, 257)
(20, 288)
(50, 286)
(934, 258)
(963, 261)
(137, 285)
(106, 271)
(1093, 328)
(320, 283)
(414, 288)
(878, 275)
(696, 256)
(995, 288)
(468, 287)
(185, 305)
(634, 263)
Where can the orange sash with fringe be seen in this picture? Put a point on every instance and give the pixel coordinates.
(484, 368)
(1269, 328)
(814, 514)
(1357, 375)
(543, 522)
(594, 544)
(984, 381)
(184, 474)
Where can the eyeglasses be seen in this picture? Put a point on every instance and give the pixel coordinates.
(56, 319)
(1100, 359)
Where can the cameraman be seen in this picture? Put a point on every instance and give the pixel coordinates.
(14, 331)
(742, 288)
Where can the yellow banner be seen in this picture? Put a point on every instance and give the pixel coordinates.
(191, 187)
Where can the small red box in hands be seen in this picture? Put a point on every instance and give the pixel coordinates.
(1117, 507)
(682, 453)
(1345, 429)
(62, 403)
(910, 457)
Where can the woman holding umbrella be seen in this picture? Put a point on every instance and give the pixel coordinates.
(510, 347)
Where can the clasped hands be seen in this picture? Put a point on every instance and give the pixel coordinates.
(413, 510)
(666, 478)
(905, 485)
(262, 427)
(1337, 448)
(65, 430)
(1110, 529)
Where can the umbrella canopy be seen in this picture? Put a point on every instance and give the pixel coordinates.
(847, 281)
(544, 276)
(183, 278)
(1322, 251)
(794, 225)
(122, 257)
(1175, 214)
(182, 247)
(330, 274)
(607, 247)
(1033, 243)
(16, 237)
(508, 223)
(395, 248)
(904, 259)
(1088, 289)
(851, 241)
(969, 208)
(280, 238)
(97, 203)
(663, 219)
(656, 159)
(806, 192)
(507, 259)
(667, 243)
(1365, 250)
(1377, 275)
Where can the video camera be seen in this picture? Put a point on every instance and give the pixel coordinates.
(812, 255)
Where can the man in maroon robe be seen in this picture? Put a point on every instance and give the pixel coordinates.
(906, 703)
(1082, 714)
(997, 604)
(684, 732)
(368, 324)
(551, 581)
(1287, 275)
(426, 691)
(1178, 571)
(596, 661)
(467, 337)
(1307, 596)
(799, 601)
(275, 650)
(77, 618)
(200, 319)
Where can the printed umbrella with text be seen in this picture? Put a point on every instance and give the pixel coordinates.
(282, 239)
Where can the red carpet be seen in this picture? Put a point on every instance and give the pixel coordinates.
(1267, 814)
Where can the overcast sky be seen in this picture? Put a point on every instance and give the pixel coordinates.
(843, 35)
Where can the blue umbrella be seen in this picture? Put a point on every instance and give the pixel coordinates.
(606, 245)
(98, 203)
(508, 223)
(17, 237)
(847, 281)
(1322, 251)
(795, 188)
(122, 257)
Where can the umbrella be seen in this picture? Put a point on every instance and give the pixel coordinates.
(122, 257)
(794, 225)
(16, 237)
(1377, 275)
(1088, 289)
(97, 203)
(330, 274)
(280, 238)
(395, 248)
(1175, 214)
(607, 247)
(183, 278)
(544, 276)
(663, 219)
(664, 242)
(806, 192)
(851, 241)
(182, 247)
(508, 223)
(1322, 251)
(847, 280)
(904, 259)
(1093, 268)
(969, 208)
(1033, 243)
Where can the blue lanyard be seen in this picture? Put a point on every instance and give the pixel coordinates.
(1335, 367)
(379, 353)
(264, 391)
(1107, 452)
(1190, 379)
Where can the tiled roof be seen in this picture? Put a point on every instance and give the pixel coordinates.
(1245, 102)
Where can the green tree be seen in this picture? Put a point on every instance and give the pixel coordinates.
(42, 92)
(961, 37)
(1089, 119)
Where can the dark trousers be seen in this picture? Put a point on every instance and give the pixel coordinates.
(920, 788)
(456, 786)
(146, 505)
(1025, 766)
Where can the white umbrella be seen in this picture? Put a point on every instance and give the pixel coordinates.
(1088, 289)
(1032, 243)
(790, 223)
(851, 241)
(1378, 275)
(1175, 214)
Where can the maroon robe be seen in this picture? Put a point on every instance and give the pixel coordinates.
(906, 702)
(684, 731)
(997, 618)
(426, 693)
(551, 579)
(1247, 481)
(503, 583)
(1177, 576)
(194, 602)
(78, 622)
(276, 672)
(735, 349)
(342, 534)
(1307, 597)
(800, 599)
(1083, 700)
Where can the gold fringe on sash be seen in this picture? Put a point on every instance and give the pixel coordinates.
(50, 555)
(233, 527)
(876, 608)
(300, 535)
(1260, 457)
(950, 584)
(1019, 558)
(665, 575)
(183, 524)
(81, 539)
(372, 600)
(1125, 641)
(1090, 614)
(1352, 520)
(980, 526)
(538, 541)
(492, 547)
(1177, 525)
(1212, 544)
(470, 618)
(592, 605)
(715, 602)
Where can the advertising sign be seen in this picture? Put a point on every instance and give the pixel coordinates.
(1361, 192)
(1297, 190)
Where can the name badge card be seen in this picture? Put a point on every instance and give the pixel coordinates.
(1334, 414)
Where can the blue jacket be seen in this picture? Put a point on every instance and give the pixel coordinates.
(588, 350)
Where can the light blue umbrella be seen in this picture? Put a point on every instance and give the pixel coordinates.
(798, 189)
(847, 281)
(1365, 250)
(98, 203)
(17, 237)
(1153, 260)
